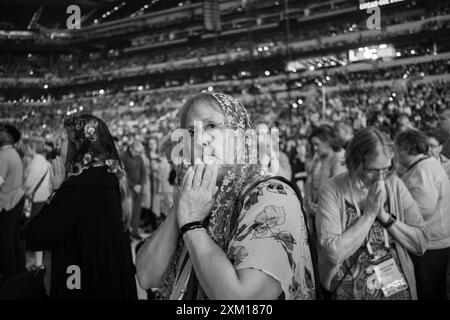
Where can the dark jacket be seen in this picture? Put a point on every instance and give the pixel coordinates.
(82, 226)
(135, 169)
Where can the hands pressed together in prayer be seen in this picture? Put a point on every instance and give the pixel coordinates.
(374, 203)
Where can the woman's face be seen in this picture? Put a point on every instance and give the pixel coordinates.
(374, 167)
(320, 147)
(210, 139)
(434, 147)
(63, 145)
(209, 143)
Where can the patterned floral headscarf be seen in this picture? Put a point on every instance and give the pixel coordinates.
(90, 145)
(224, 211)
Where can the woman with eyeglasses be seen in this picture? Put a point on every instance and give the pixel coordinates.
(367, 223)
(426, 180)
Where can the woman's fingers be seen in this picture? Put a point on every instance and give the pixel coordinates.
(207, 175)
(199, 168)
(187, 184)
(378, 198)
(213, 181)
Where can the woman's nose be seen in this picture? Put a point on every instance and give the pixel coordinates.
(206, 139)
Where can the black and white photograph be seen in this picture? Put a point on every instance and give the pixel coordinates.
(230, 150)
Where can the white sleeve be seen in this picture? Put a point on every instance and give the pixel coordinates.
(34, 172)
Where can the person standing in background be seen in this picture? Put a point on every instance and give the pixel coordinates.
(134, 167)
(444, 124)
(146, 203)
(345, 132)
(436, 140)
(12, 253)
(427, 182)
(37, 182)
(154, 177)
(327, 162)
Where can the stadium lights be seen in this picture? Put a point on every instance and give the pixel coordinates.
(81, 108)
(101, 91)
(45, 86)
(267, 73)
(131, 104)
(210, 89)
(109, 12)
(294, 105)
(140, 88)
(142, 9)
(398, 54)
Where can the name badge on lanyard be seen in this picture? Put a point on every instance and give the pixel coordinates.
(387, 272)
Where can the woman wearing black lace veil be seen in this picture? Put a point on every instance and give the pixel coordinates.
(84, 225)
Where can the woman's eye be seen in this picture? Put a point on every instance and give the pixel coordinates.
(211, 126)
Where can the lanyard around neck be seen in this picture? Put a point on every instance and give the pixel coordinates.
(358, 212)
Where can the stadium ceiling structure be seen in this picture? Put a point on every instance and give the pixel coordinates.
(51, 14)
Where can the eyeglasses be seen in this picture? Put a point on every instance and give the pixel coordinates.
(384, 171)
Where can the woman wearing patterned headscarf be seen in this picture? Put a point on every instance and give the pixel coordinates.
(83, 226)
(232, 233)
